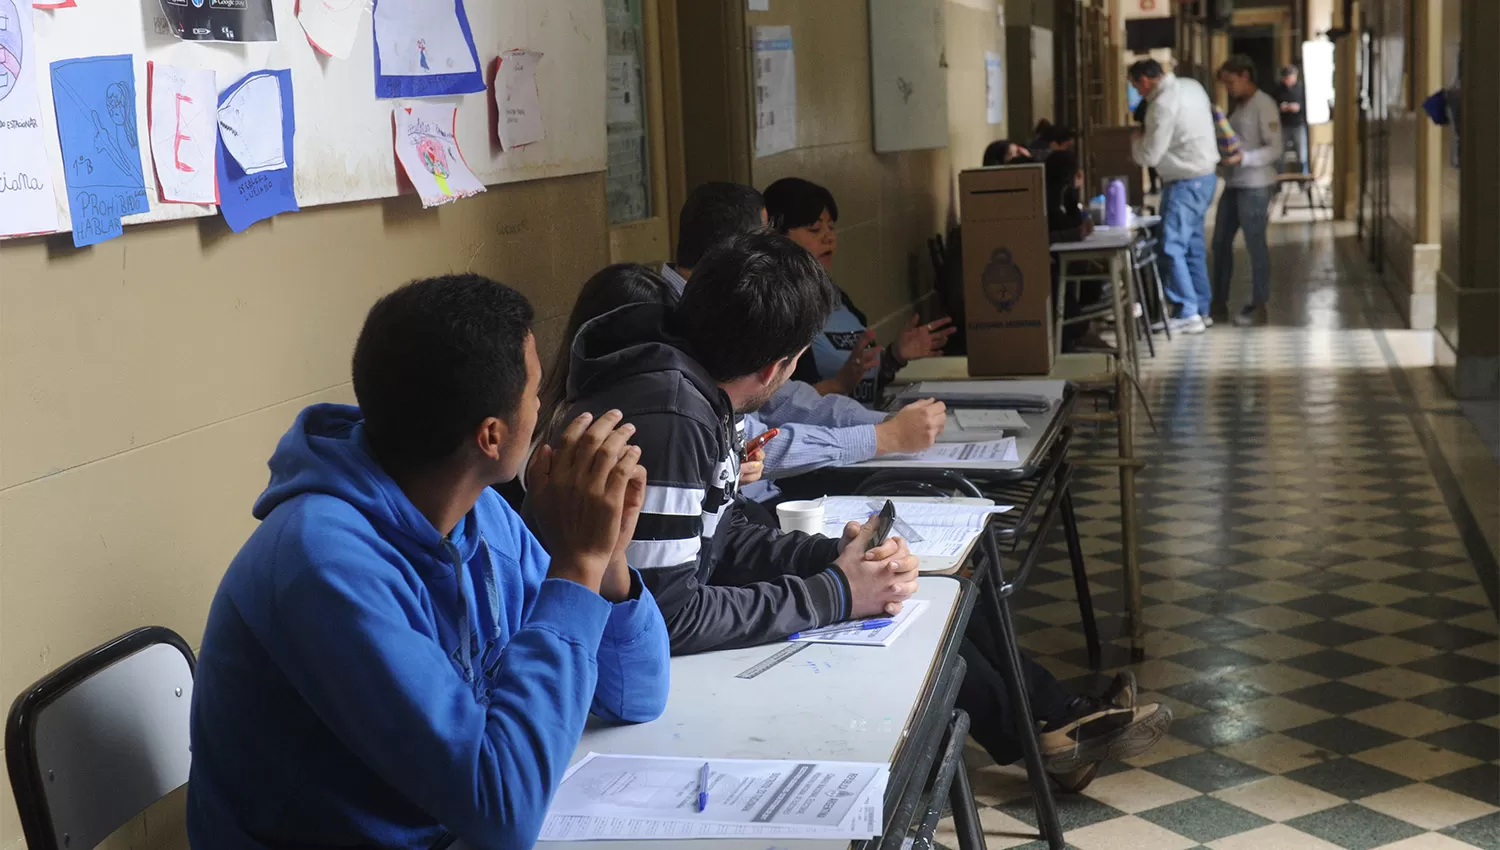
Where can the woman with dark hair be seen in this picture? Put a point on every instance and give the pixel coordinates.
(843, 358)
(610, 288)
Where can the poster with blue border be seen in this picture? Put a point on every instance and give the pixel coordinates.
(245, 198)
(424, 48)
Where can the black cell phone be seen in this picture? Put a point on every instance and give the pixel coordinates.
(883, 525)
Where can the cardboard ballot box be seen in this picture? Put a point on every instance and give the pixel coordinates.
(1007, 270)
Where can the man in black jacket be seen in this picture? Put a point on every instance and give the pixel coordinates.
(680, 378)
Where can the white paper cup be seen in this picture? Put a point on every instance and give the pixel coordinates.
(804, 516)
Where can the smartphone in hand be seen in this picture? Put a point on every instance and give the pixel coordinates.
(759, 441)
(883, 525)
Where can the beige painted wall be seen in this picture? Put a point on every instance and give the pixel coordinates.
(889, 204)
(144, 382)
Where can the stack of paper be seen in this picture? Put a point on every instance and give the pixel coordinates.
(656, 798)
(969, 425)
(876, 631)
(931, 529)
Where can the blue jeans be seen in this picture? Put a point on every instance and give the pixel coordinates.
(1294, 141)
(1247, 210)
(1184, 206)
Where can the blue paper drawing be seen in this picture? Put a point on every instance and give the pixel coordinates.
(11, 52)
(245, 198)
(424, 48)
(101, 144)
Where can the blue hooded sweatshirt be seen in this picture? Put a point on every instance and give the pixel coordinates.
(366, 682)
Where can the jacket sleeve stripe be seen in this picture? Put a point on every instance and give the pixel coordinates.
(676, 501)
(655, 554)
(668, 527)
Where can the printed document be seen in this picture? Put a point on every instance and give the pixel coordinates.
(655, 797)
(855, 633)
(931, 529)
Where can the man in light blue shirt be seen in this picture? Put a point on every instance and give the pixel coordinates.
(817, 431)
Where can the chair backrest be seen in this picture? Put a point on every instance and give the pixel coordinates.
(99, 740)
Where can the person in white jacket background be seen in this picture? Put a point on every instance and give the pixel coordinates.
(1249, 182)
(1178, 141)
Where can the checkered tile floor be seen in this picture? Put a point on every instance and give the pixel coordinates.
(1315, 622)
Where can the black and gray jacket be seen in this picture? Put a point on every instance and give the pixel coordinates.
(720, 580)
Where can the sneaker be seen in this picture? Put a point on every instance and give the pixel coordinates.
(1096, 730)
(1251, 317)
(1121, 693)
(1190, 325)
(1208, 321)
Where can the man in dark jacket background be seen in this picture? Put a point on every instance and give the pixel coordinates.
(747, 314)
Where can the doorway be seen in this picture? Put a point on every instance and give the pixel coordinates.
(1259, 43)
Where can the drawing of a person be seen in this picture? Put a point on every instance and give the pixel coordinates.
(422, 54)
(119, 139)
(435, 160)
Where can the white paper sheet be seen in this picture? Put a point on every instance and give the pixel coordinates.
(27, 202)
(622, 89)
(775, 91)
(931, 529)
(988, 451)
(331, 25)
(854, 633)
(517, 100)
(184, 133)
(992, 420)
(994, 88)
(419, 38)
(428, 151)
(250, 121)
(620, 796)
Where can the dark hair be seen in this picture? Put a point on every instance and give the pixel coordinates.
(1146, 68)
(1239, 64)
(610, 288)
(1060, 134)
(794, 202)
(715, 212)
(1288, 70)
(435, 358)
(753, 302)
(1042, 128)
(995, 153)
(1059, 171)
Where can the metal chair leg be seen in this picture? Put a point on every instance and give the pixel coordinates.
(965, 815)
(1080, 579)
(1036, 773)
(1137, 278)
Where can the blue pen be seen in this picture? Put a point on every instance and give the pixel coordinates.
(864, 626)
(703, 788)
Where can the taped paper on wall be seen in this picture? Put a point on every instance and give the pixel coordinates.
(331, 25)
(27, 202)
(101, 145)
(622, 103)
(250, 118)
(994, 88)
(518, 102)
(247, 198)
(220, 20)
(775, 91)
(427, 147)
(184, 130)
(424, 48)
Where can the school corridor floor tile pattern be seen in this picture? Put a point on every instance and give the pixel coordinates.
(1317, 618)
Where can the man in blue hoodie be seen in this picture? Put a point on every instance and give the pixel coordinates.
(393, 657)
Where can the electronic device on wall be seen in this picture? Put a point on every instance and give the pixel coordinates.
(1143, 35)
